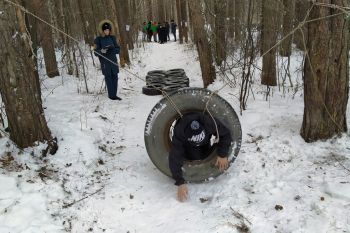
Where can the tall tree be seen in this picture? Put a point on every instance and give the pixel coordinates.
(231, 17)
(19, 81)
(184, 20)
(32, 26)
(202, 43)
(68, 45)
(220, 32)
(88, 22)
(301, 11)
(288, 23)
(172, 5)
(46, 40)
(239, 10)
(126, 14)
(179, 20)
(268, 40)
(123, 40)
(161, 9)
(148, 7)
(326, 73)
(99, 12)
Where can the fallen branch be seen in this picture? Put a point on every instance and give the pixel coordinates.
(74, 202)
(340, 163)
(240, 216)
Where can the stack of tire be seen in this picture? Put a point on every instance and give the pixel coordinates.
(169, 81)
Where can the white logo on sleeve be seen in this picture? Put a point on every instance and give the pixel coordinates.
(197, 138)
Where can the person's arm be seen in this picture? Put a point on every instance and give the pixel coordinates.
(176, 158)
(116, 48)
(224, 139)
(223, 146)
(97, 47)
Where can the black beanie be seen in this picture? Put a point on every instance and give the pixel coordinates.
(106, 26)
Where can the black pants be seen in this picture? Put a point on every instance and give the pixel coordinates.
(174, 34)
(197, 153)
(112, 85)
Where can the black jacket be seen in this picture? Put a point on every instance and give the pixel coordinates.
(181, 141)
(173, 26)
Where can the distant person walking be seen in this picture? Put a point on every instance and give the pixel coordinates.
(162, 34)
(154, 29)
(167, 27)
(144, 31)
(149, 31)
(106, 49)
(173, 26)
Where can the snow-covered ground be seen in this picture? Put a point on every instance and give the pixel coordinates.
(101, 179)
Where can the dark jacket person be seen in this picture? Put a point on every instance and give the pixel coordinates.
(192, 140)
(173, 26)
(106, 48)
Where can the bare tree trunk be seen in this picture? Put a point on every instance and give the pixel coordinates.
(128, 25)
(288, 23)
(184, 20)
(135, 21)
(99, 12)
(257, 11)
(190, 24)
(19, 82)
(32, 27)
(124, 52)
(173, 10)
(231, 17)
(58, 20)
(161, 17)
(300, 36)
(114, 19)
(88, 22)
(201, 40)
(220, 35)
(239, 10)
(248, 59)
(46, 39)
(172, 5)
(67, 44)
(326, 74)
(179, 20)
(148, 8)
(268, 40)
(76, 24)
(167, 7)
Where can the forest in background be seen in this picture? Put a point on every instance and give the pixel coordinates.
(230, 36)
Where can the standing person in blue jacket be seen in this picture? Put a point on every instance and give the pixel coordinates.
(106, 48)
(192, 141)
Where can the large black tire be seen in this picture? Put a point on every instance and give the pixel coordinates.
(159, 78)
(151, 90)
(162, 117)
(155, 72)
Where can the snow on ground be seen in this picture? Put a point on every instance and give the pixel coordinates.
(101, 179)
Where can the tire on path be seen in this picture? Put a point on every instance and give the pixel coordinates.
(151, 90)
(163, 116)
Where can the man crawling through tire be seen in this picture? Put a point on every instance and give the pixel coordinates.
(191, 140)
